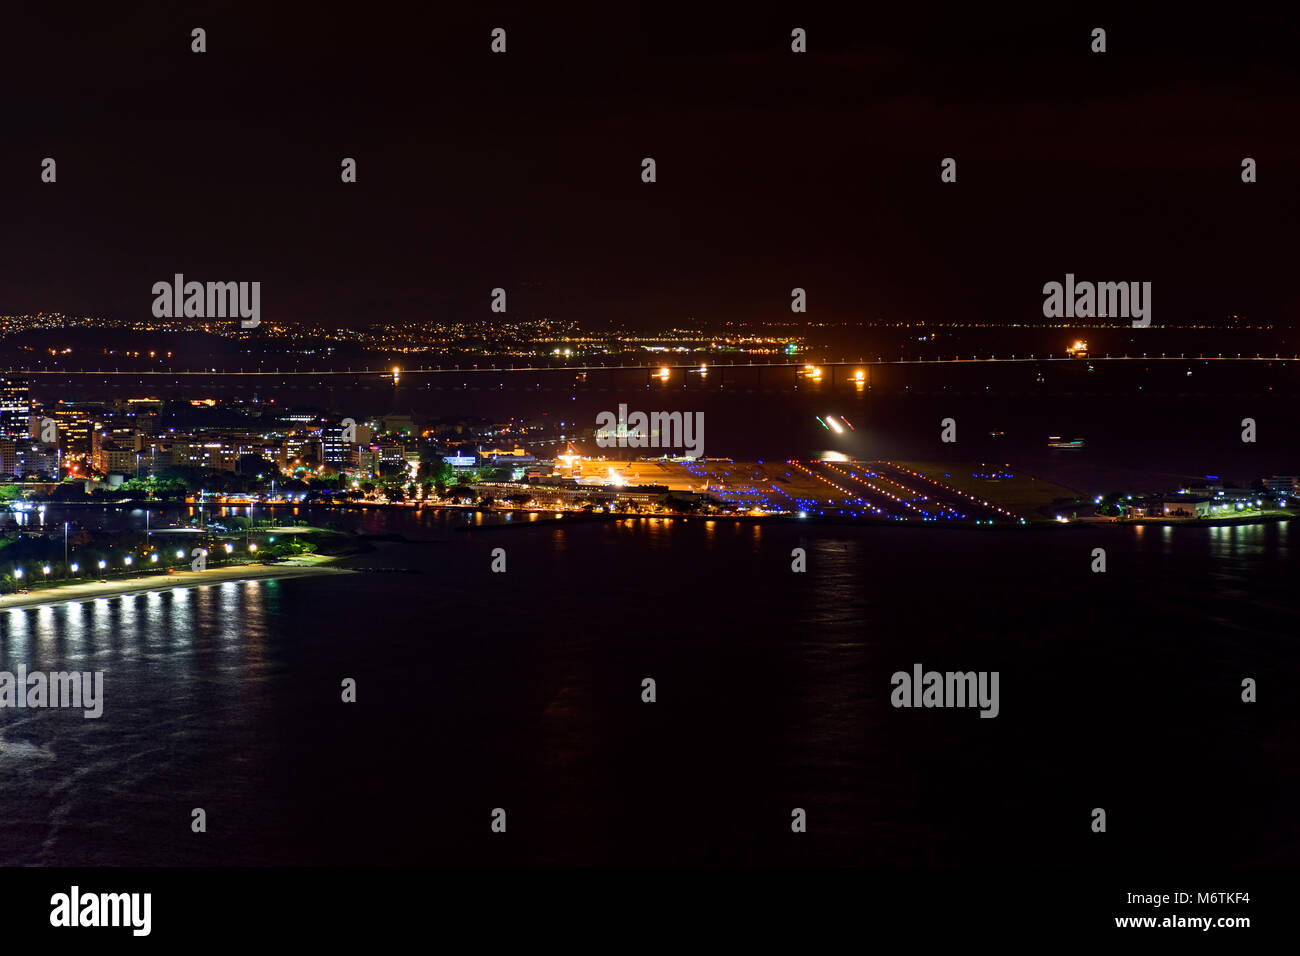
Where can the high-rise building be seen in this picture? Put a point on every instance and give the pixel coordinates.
(36, 459)
(15, 408)
(112, 459)
(337, 452)
(8, 456)
(74, 426)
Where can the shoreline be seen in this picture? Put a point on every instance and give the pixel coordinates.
(93, 590)
(580, 517)
(1039, 524)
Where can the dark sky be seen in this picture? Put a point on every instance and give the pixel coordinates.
(775, 170)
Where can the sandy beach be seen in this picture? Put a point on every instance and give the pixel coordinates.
(157, 582)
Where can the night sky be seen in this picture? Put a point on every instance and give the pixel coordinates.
(775, 170)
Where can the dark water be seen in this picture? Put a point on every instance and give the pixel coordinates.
(1148, 424)
(523, 691)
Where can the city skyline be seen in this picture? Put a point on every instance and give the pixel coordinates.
(461, 437)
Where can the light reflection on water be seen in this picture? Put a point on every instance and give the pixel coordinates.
(197, 679)
(176, 663)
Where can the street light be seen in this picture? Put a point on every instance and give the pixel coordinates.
(75, 568)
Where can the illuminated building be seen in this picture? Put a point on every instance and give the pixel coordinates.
(15, 409)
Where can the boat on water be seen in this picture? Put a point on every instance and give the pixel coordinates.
(1055, 441)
